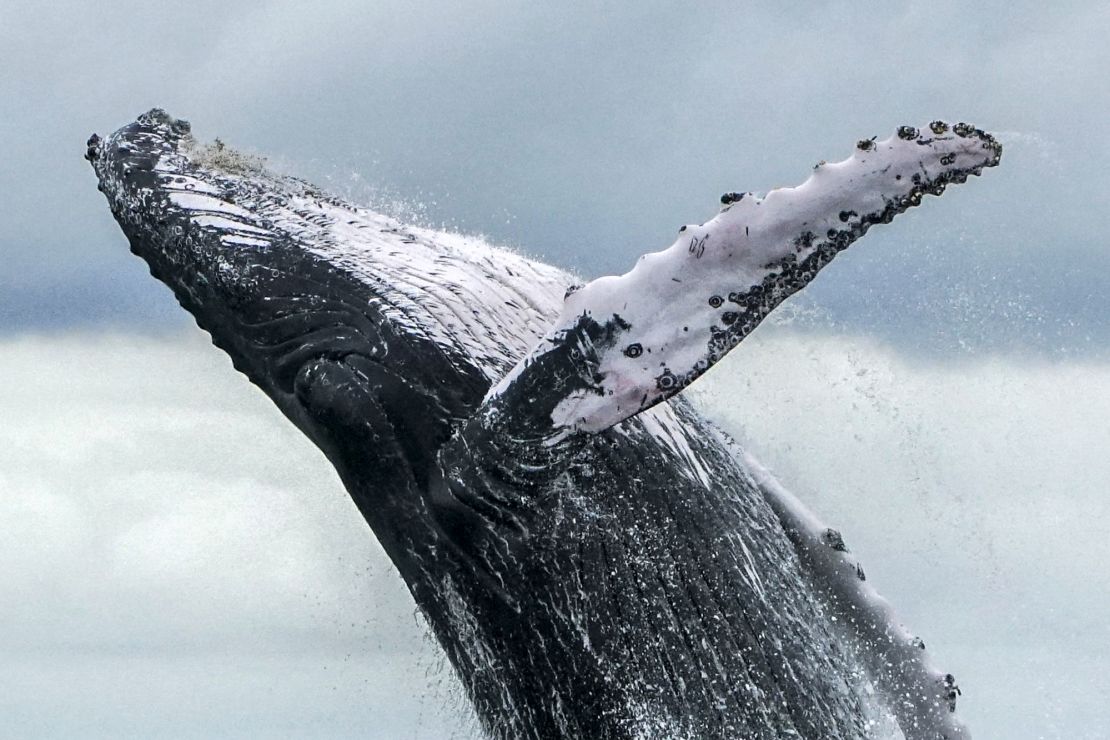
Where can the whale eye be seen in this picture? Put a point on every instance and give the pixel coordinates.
(633, 350)
(715, 301)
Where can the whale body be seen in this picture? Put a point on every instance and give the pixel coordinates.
(595, 558)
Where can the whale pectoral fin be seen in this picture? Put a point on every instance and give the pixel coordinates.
(623, 344)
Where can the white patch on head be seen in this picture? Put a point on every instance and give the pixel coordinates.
(487, 303)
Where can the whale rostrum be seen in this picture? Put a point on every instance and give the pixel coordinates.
(595, 558)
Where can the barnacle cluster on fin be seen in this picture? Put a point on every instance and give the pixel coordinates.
(679, 311)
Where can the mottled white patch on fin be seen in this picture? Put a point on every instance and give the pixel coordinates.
(636, 339)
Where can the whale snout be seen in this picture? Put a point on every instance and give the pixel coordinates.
(126, 163)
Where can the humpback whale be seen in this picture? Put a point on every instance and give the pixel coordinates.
(595, 558)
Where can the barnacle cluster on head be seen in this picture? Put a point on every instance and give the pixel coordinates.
(222, 158)
(92, 148)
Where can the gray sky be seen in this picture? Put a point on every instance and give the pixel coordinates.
(177, 561)
(587, 137)
(150, 585)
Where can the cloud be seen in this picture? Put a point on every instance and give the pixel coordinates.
(177, 561)
(973, 492)
(587, 137)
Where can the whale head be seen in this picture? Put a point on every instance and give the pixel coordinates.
(373, 337)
